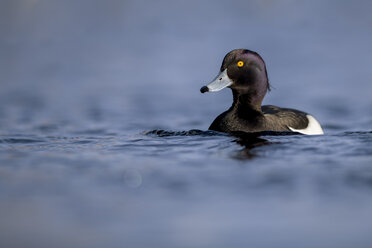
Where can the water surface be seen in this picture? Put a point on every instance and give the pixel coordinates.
(103, 130)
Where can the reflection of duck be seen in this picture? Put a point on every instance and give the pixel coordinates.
(244, 71)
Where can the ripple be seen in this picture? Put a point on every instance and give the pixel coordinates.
(20, 141)
(96, 131)
(82, 142)
(192, 132)
(357, 132)
(196, 132)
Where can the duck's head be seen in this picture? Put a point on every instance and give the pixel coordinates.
(243, 71)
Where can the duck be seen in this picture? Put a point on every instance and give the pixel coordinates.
(244, 72)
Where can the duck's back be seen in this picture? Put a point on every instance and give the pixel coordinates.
(285, 119)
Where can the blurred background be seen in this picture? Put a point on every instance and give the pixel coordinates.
(82, 81)
(141, 59)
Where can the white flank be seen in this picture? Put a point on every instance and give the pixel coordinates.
(313, 128)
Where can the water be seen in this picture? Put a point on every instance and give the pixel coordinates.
(103, 130)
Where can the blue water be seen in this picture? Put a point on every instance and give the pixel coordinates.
(103, 130)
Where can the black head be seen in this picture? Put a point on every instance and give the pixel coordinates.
(243, 71)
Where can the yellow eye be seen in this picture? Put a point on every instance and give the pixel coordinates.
(240, 63)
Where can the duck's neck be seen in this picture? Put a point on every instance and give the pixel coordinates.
(246, 106)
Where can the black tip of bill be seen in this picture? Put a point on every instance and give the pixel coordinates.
(204, 89)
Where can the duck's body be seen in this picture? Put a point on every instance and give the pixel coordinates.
(245, 73)
(270, 118)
